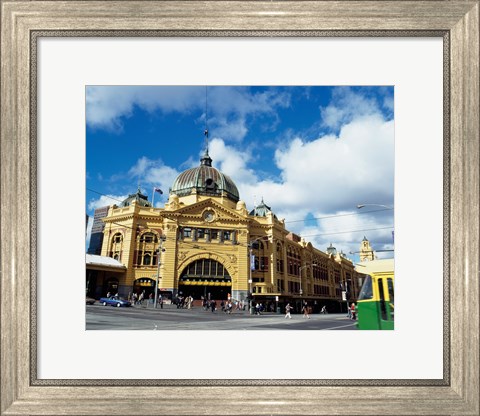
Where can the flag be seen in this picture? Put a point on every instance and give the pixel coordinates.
(252, 262)
(158, 190)
(206, 132)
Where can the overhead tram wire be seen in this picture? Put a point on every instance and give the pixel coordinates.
(339, 215)
(286, 222)
(346, 232)
(99, 193)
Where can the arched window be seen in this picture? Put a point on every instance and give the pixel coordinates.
(204, 269)
(279, 258)
(116, 246)
(146, 250)
(147, 259)
(148, 238)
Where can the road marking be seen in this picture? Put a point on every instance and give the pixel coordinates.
(342, 326)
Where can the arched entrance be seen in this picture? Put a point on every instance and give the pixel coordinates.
(110, 285)
(144, 284)
(205, 278)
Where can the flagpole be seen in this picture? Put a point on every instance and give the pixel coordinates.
(153, 197)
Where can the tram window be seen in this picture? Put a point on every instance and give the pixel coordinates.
(391, 295)
(381, 294)
(366, 292)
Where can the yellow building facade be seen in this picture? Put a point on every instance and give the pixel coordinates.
(204, 243)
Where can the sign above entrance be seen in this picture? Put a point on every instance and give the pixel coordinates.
(145, 282)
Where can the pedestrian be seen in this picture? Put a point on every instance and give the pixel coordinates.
(257, 309)
(288, 308)
(160, 301)
(353, 311)
(305, 311)
(213, 305)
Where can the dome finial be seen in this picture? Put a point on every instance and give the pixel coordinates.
(206, 160)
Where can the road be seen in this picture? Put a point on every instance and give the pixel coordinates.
(99, 317)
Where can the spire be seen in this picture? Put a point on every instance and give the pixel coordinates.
(206, 160)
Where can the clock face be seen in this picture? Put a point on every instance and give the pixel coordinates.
(208, 216)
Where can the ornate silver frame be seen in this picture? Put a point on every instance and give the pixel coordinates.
(457, 22)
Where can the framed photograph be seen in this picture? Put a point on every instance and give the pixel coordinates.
(426, 53)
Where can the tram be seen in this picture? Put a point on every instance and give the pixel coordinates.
(376, 302)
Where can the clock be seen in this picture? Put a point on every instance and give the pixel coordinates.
(208, 216)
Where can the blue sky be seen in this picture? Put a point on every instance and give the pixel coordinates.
(312, 153)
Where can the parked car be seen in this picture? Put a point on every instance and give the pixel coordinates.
(114, 301)
(89, 301)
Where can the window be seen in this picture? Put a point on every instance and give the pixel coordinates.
(187, 232)
(226, 235)
(214, 234)
(200, 233)
(383, 308)
(147, 259)
(116, 246)
(366, 292)
(205, 268)
(146, 250)
(149, 238)
(391, 296)
(264, 264)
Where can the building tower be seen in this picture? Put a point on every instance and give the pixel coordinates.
(96, 238)
(366, 251)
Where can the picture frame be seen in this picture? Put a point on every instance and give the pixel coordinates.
(457, 22)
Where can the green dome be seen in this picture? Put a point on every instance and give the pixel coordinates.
(140, 199)
(261, 210)
(205, 180)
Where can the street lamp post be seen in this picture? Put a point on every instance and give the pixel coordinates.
(160, 250)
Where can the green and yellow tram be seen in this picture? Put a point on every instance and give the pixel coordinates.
(376, 302)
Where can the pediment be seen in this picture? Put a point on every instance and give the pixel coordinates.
(210, 211)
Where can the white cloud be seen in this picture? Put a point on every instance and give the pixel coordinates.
(346, 105)
(323, 177)
(153, 173)
(104, 201)
(228, 107)
(231, 161)
(107, 105)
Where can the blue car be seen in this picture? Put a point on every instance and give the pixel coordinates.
(114, 301)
